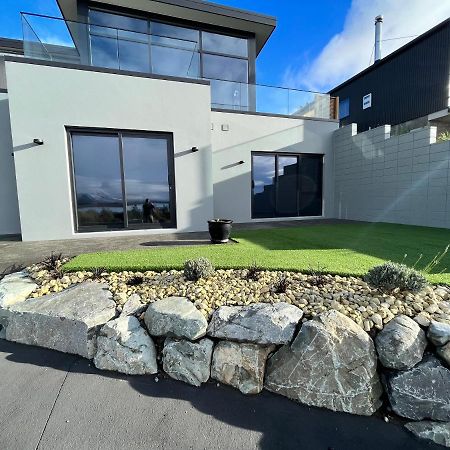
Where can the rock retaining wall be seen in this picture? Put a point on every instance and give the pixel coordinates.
(328, 361)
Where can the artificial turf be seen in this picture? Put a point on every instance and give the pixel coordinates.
(346, 249)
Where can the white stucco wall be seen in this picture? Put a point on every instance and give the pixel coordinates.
(44, 100)
(247, 133)
(9, 208)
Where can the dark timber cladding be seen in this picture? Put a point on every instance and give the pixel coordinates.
(410, 83)
(259, 25)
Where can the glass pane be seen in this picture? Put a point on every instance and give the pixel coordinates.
(146, 180)
(134, 56)
(185, 37)
(98, 184)
(225, 68)
(311, 185)
(175, 62)
(263, 186)
(104, 52)
(228, 45)
(287, 186)
(229, 95)
(118, 21)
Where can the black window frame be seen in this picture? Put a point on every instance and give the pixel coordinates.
(120, 133)
(197, 26)
(277, 155)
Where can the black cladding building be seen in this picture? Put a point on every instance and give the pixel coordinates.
(407, 89)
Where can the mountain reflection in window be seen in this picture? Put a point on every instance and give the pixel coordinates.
(114, 191)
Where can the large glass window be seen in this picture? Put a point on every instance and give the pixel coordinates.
(122, 180)
(142, 45)
(286, 185)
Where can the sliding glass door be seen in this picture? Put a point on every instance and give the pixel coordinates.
(286, 185)
(122, 180)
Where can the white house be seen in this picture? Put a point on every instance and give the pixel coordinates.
(145, 116)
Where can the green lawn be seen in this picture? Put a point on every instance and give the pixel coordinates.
(342, 249)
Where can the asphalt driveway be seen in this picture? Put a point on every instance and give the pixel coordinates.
(49, 400)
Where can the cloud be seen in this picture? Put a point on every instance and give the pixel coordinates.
(351, 50)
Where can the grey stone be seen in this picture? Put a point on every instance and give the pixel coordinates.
(422, 392)
(401, 343)
(66, 321)
(15, 288)
(332, 363)
(444, 353)
(240, 365)
(175, 317)
(124, 346)
(439, 333)
(188, 361)
(133, 306)
(438, 432)
(259, 323)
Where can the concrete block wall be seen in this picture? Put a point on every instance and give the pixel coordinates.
(399, 179)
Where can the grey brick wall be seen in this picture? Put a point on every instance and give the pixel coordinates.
(399, 179)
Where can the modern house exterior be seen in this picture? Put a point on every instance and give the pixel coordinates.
(135, 117)
(408, 89)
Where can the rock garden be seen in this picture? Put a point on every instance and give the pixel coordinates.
(357, 345)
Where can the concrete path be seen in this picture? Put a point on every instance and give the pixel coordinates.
(53, 401)
(15, 253)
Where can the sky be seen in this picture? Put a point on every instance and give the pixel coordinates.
(317, 44)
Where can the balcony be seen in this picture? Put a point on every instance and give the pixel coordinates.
(55, 39)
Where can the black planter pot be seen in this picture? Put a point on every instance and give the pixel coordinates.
(219, 230)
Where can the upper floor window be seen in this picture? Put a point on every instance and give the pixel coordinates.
(141, 45)
(344, 108)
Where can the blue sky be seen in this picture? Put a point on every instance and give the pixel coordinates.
(317, 44)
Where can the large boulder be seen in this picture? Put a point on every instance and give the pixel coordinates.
(15, 288)
(422, 392)
(444, 353)
(332, 363)
(259, 323)
(438, 432)
(175, 317)
(124, 346)
(133, 306)
(439, 333)
(67, 321)
(188, 361)
(240, 365)
(401, 343)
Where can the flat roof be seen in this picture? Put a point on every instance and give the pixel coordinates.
(261, 25)
(392, 55)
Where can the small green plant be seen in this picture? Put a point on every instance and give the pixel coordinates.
(97, 272)
(390, 276)
(135, 281)
(281, 285)
(444, 136)
(317, 275)
(253, 272)
(194, 269)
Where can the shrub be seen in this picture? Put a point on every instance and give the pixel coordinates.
(135, 281)
(317, 275)
(444, 136)
(390, 276)
(253, 272)
(52, 262)
(281, 286)
(97, 272)
(194, 269)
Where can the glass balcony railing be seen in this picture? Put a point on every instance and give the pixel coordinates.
(59, 40)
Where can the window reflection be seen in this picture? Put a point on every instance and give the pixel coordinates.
(287, 185)
(146, 180)
(98, 181)
(175, 62)
(229, 45)
(108, 183)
